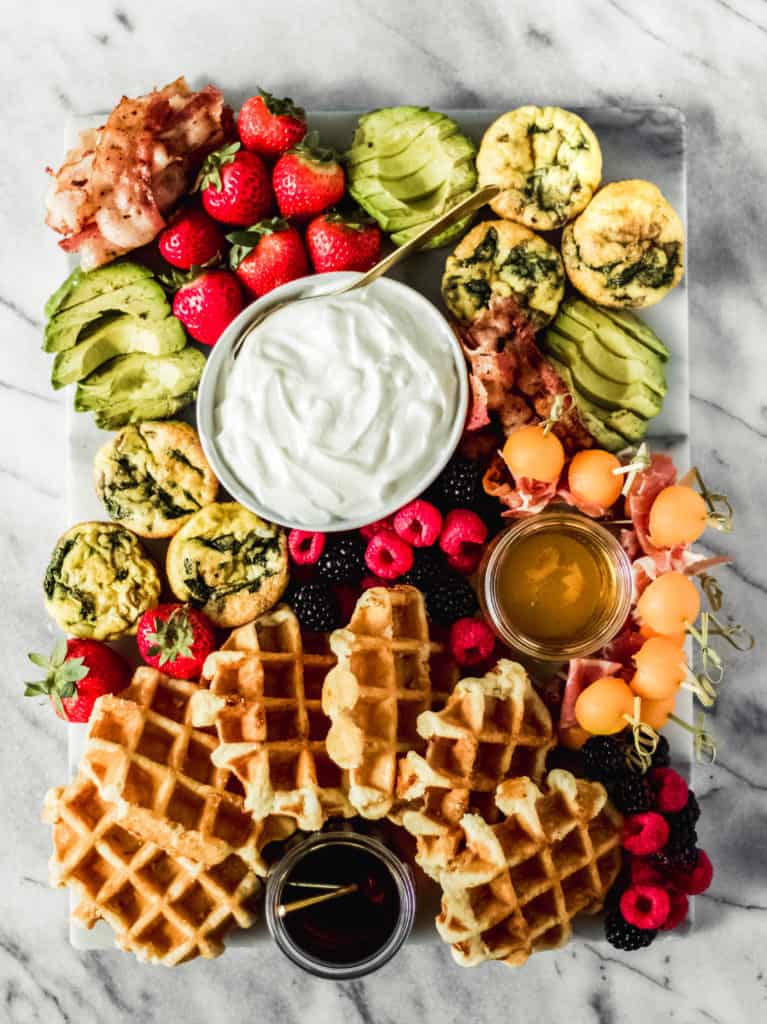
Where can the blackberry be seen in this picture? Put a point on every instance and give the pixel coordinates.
(625, 936)
(459, 483)
(662, 756)
(429, 568)
(684, 821)
(316, 607)
(605, 759)
(450, 600)
(343, 560)
(680, 852)
(632, 794)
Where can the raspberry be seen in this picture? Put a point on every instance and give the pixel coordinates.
(429, 568)
(645, 906)
(625, 936)
(671, 791)
(463, 534)
(453, 599)
(315, 607)
(697, 878)
(644, 872)
(632, 795)
(678, 912)
(343, 560)
(419, 523)
(465, 564)
(471, 641)
(373, 528)
(305, 547)
(388, 556)
(459, 482)
(644, 834)
(662, 756)
(605, 758)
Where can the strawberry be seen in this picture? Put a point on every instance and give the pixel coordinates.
(192, 239)
(235, 186)
(338, 242)
(76, 675)
(207, 304)
(175, 639)
(307, 180)
(267, 255)
(270, 126)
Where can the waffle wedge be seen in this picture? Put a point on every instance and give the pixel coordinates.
(148, 759)
(512, 889)
(388, 673)
(491, 728)
(164, 909)
(264, 699)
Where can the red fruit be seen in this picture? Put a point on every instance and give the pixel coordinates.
(465, 563)
(235, 186)
(191, 240)
(462, 538)
(646, 833)
(471, 641)
(644, 873)
(175, 639)
(338, 242)
(680, 905)
(307, 180)
(270, 126)
(267, 255)
(697, 880)
(388, 556)
(419, 523)
(76, 675)
(305, 547)
(373, 528)
(671, 791)
(645, 906)
(208, 304)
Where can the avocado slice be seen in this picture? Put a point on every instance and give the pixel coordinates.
(403, 126)
(80, 286)
(626, 366)
(613, 429)
(623, 334)
(144, 298)
(107, 338)
(136, 387)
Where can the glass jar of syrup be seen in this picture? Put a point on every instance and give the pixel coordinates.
(350, 934)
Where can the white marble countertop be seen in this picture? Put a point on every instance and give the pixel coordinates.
(707, 58)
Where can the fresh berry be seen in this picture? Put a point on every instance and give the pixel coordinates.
(662, 756)
(471, 641)
(77, 673)
(343, 560)
(632, 795)
(625, 936)
(684, 821)
(419, 523)
(235, 186)
(191, 240)
(450, 600)
(671, 791)
(208, 304)
(305, 547)
(267, 255)
(429, 569)
(465, 563)
(462, 538)
(380, 524)
(388, 556)
(680, 853)
(316, 607)
(645, 906)
(644, 872)
(270, 126)
(605, 759)
(459, 483)
(678, 910)
(644, 834)
(339, 241)
(175, 639)
(307, 180)
(696, 878)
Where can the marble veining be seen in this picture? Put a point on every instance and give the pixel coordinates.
(707, 59)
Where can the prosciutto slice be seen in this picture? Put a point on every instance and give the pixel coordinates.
(582, 672)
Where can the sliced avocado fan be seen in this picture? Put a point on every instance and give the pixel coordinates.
(407, 166)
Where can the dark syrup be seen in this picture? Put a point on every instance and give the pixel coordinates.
(351, 928)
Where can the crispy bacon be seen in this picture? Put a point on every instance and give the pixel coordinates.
(112, 191)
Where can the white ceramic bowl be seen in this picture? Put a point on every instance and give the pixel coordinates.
(220, 358)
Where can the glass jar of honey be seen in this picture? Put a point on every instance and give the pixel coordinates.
(556, 586)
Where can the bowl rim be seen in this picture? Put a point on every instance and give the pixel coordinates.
(219, 359)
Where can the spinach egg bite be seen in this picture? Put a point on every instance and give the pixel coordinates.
(547, 161)
(153, 476)
(99, 582)
(498, 258)
(626, 250)
(229, 563)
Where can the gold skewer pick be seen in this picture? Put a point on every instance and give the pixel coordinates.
(331, 886)
(310, 901)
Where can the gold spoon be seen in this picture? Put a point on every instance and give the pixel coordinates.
(311, 901)
(455, 213)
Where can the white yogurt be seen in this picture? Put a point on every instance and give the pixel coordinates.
(337, 408)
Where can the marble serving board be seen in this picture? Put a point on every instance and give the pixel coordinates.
(646, 142)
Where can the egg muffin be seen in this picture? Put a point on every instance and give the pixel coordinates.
(500, 258)
(626, 250)
(229, 563)
(99, 582)
(547, 161)
(153, 476)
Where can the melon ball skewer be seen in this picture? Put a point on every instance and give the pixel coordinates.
(535, 453)
(592, 477)
(670, 604)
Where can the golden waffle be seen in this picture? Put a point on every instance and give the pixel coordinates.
(264, 698)
(388, 673)
(165, 909)
(490, 729)
(145, 756)
(513, 888)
